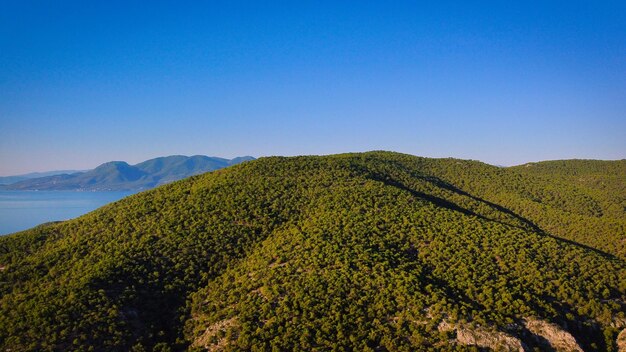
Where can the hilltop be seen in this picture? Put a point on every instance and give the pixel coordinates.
(120, 176)
(371, 251)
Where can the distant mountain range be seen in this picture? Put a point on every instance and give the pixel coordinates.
(7, 180)
(120, 176)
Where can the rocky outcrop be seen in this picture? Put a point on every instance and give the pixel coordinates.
(211, 339)
(495, 340)
(559, 339)
(482, 337)
(621, 341)
(445, 326)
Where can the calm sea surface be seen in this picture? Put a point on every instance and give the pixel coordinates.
(21, 210)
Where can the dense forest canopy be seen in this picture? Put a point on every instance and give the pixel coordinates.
(369, 251)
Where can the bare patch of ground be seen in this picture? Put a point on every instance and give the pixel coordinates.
(208, 339)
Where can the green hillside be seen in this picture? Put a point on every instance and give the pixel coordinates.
(373, 251)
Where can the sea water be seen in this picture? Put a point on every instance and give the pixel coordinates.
(21, 210)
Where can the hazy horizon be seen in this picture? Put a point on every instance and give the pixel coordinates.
(257, 157)
(82, 84)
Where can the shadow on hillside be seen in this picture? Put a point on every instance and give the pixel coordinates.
(536, 228)
(433, 199)
(444, 203)
(527, 224)
(447, 186)
(533, 341)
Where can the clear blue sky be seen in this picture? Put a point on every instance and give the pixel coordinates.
(84, 82)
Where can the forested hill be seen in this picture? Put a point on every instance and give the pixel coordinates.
(375, 251)
(120, 176)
